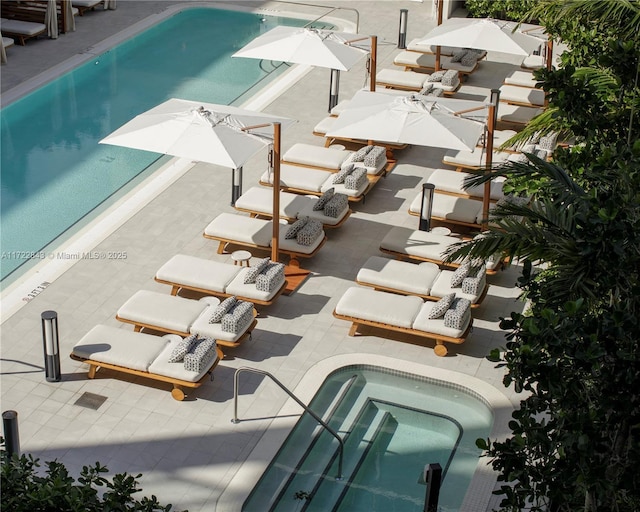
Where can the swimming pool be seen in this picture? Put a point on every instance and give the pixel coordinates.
(55, 175)
(392, 424)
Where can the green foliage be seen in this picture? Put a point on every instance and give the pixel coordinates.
(513, 10)
(27, 489)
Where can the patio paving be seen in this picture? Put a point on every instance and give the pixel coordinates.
(189, 451)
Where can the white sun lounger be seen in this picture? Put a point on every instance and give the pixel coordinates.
(176, 315)
(402, 313)
(229, 228)
(303, 180)
(427, 62)
(473, 160)
(451, 182)
(426, 280)
(316, 156)
(406, 243)
(216, 278)
(258, 202)
(140, 354)
(22, 30)
(534, 62)
(411, 81)
(521, 79)
(85, 5)
(523, 96)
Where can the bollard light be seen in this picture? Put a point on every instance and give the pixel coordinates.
(334, 87)
(402, 30)
(236, 189)
(433, 477)
(10, 430)
(51, 346)
(426, 206)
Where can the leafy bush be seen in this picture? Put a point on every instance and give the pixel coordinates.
(26, 489)
(514, 10)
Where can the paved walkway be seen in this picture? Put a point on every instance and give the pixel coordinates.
(189, 451)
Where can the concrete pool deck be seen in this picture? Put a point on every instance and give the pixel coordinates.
(189, 452)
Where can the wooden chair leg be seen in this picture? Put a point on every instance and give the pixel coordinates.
(221, 247)
(92, 371)
(177, 393)
(353, 330)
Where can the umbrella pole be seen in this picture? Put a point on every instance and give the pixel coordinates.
(372, 66)
(439, 6)
(334, 87)
(491, 122)
(275, 155)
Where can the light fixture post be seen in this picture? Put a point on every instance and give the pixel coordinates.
(11, 434)
(334, 87)
(402, 29)
(236, 187)
(426, 206)
(51, 346)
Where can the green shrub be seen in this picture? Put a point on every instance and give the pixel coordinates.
(26, 489)
(514, 10)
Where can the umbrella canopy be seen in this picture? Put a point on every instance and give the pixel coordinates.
(205, 132)
(484, 34)
(313, 47)
(412, 119)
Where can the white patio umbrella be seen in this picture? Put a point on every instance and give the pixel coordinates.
(411, 119)
(483, 34)
(338, 51)
(206, 132)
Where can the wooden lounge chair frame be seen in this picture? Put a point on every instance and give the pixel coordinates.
(177, 392)
(440, 349)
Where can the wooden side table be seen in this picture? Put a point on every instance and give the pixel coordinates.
(241, 257)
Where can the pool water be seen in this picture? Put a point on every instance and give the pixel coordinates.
(53, 170)
(393, 424)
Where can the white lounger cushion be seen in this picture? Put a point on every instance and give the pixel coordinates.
(442, 286)
(453, 181)
(292, 245)
(470, 159)
(436, 325)
(513, 93)
(165, 311)
(428, 60)
(534, 62)
(521, 78)
(198, 273)
(121, 347)
(382, 307)
(461, 209)
(27, 28)
(202, 326)
(516, 114)
(316, 156)
(339, 188)
(410, 80)
(241, 229)
(399, 275)
(300, 178)
(238, 287)
(324, 125)
(292, 206)
(162, 366)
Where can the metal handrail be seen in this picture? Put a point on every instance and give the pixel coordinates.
(236, 378)
(328, 12)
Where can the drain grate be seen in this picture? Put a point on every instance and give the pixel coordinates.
(90, 401)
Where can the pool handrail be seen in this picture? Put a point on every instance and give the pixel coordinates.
(236, 378)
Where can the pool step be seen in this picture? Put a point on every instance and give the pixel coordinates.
(334, 404)
(327, 494)
(321, 461)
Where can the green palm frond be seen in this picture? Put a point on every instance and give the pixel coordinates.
(544, 123)
(599, 78)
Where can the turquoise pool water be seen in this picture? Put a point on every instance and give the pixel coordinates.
(53, 171)
(393, 424)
